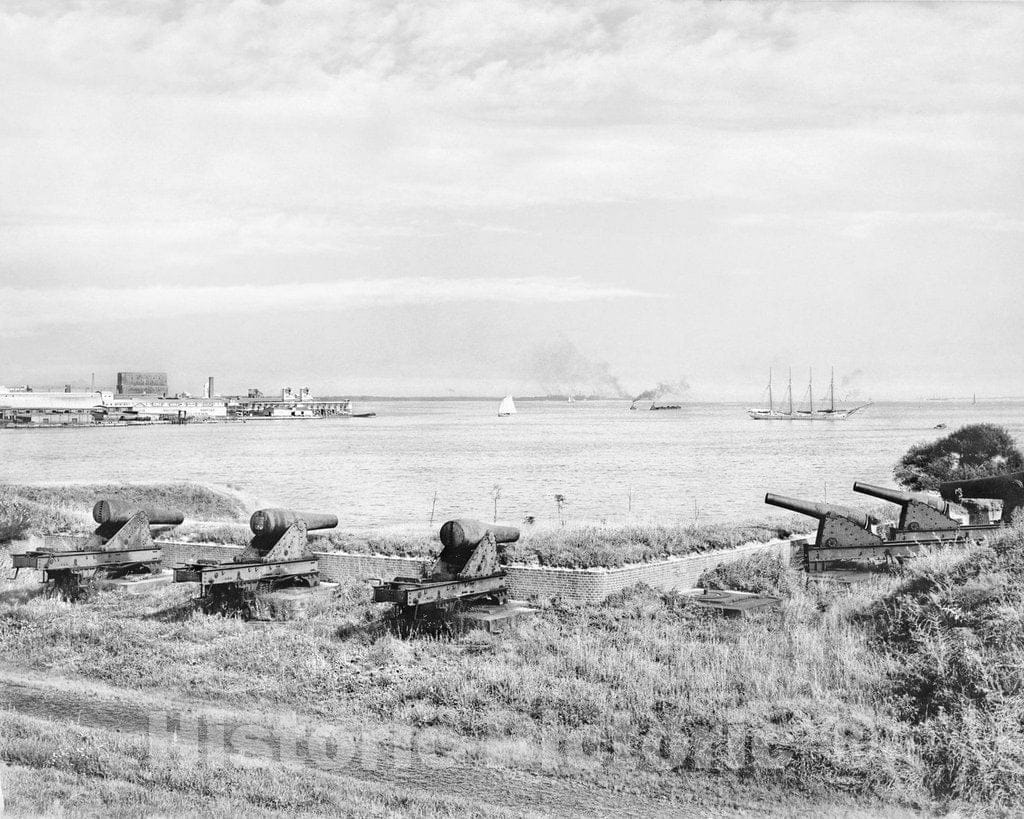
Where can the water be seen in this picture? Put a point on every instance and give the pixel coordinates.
(707, 460)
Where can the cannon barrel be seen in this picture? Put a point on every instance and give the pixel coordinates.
(456, 534)
(898, 496)
(271, 522)
(818, 510)
(1008, 488)
(115, 510)
(996, 487)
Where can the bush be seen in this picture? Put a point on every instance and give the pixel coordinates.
(956, 634)
(759, 573)
(974, 451)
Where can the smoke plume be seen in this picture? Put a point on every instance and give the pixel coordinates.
(679, 387)
(560, 368)
(849, 384)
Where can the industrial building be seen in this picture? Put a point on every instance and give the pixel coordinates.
(134, 383)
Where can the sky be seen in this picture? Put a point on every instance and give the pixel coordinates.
(419, 198)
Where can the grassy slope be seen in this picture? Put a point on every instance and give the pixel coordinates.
(37, 510)
(217, 515)
(646, 686)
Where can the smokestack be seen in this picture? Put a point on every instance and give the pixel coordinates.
(208, 388)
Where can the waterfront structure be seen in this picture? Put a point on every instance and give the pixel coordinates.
(290, 405)
(53, 400)
(26, 407)
(10, 416)
(170, 409)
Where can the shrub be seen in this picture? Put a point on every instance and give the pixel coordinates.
(759, 573)
(956, 633)
(973, 451)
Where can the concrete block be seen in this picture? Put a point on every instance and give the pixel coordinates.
(295, 603)
(493, 619)
(733, 603)
(135, 584)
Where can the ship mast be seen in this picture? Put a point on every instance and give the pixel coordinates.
(771, 403)
(832, 391)
(810, 390)
(790, 390)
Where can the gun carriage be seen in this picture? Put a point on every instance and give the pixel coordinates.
(278, 556)
(846, 535)
(467, 571)
(923, 516)
(122, 544)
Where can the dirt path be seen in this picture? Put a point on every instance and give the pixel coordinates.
(346, 751)
(395, 754)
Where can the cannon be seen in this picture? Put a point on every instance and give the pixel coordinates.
(468, 570)
(845, 534)
(1007, 488)
(121, 544)
(921, 514)
(278, 556)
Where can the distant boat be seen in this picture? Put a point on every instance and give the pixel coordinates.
(508, 407)
(809, 414)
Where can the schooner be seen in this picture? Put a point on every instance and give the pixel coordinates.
(809, 414)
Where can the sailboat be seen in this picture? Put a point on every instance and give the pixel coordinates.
(508, 406)
(809, 414)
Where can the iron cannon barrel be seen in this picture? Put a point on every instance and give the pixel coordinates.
(115, 510)
(818, 510)
(1008, 488)
(996, 487)
(270, 522)
(465, 532)
(899, 496)
(891, 495)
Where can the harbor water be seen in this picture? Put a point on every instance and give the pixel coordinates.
(704, 462)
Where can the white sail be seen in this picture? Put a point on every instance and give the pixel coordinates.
(508, 406)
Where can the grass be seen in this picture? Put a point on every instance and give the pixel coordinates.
(955, 629)
(36, 510)
(218, 515)
(759, 573)
(903, 690)
(574, 547)
(642, 688)
(53, 768)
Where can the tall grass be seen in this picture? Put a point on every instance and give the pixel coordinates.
(955, 629)
(759, 573)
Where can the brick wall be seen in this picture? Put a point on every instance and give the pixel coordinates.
(536, 583)
(594, 585)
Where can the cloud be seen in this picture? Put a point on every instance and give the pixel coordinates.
(864, 223)
(25, 310)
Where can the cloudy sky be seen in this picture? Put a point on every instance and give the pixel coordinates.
(492, 195)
